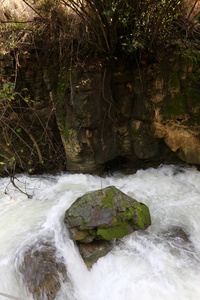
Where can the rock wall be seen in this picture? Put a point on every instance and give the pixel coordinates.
(111, 115)
(144, 114)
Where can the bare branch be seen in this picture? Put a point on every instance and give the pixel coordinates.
(33, 9)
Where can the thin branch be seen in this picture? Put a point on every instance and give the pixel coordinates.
(139, 74)
(33, 9)
(104, 97)
(7, 125)
(16, 22)
(191, 11)
(31, 137)
(12, 180)
(34, 143)
(16, 56)
(89, 20)
(71, 83)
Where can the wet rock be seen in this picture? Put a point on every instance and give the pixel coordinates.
(105, 214)
(42, 272)
(93, 251)
(176, 234)
(178, 242)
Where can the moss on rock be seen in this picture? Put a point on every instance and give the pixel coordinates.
(143, 216)
(106, 214)
(114, 232)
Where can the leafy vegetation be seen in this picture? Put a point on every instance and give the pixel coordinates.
(107, 28)
(125, 25)
(24, 148)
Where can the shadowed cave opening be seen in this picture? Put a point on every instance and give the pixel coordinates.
(117, 164)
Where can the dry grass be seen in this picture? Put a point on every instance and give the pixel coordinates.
(15, 10)
(25, 22)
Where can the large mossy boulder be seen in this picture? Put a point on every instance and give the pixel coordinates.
(105, 214)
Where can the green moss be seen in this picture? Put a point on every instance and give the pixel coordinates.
(192, 85)
(175, 107)
(108, 199)
(182, 95)
(125, 204)
(66, 78)
(143, 215)
(129, 213)
(187, 57)
(66, 130)
(83, 223)
(174, 80)
(193, 95)
(193, 101)
(134, 217)
(116, 232)
(63, 82)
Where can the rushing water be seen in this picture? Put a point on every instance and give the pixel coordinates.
(145, 265)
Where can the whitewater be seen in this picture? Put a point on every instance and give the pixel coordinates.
(145, 265)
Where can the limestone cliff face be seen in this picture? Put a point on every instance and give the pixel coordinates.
(176, 101)
(147, 112)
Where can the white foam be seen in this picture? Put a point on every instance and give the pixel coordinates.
(144, 265)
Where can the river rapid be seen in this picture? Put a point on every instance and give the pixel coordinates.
(145, 265)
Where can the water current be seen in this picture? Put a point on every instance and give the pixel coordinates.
(145, 265)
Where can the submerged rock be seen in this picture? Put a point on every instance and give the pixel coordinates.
(177, 234)
(41, 271)
(105, 214)
(178, 242)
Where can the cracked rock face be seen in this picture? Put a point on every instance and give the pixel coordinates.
(105, 214)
